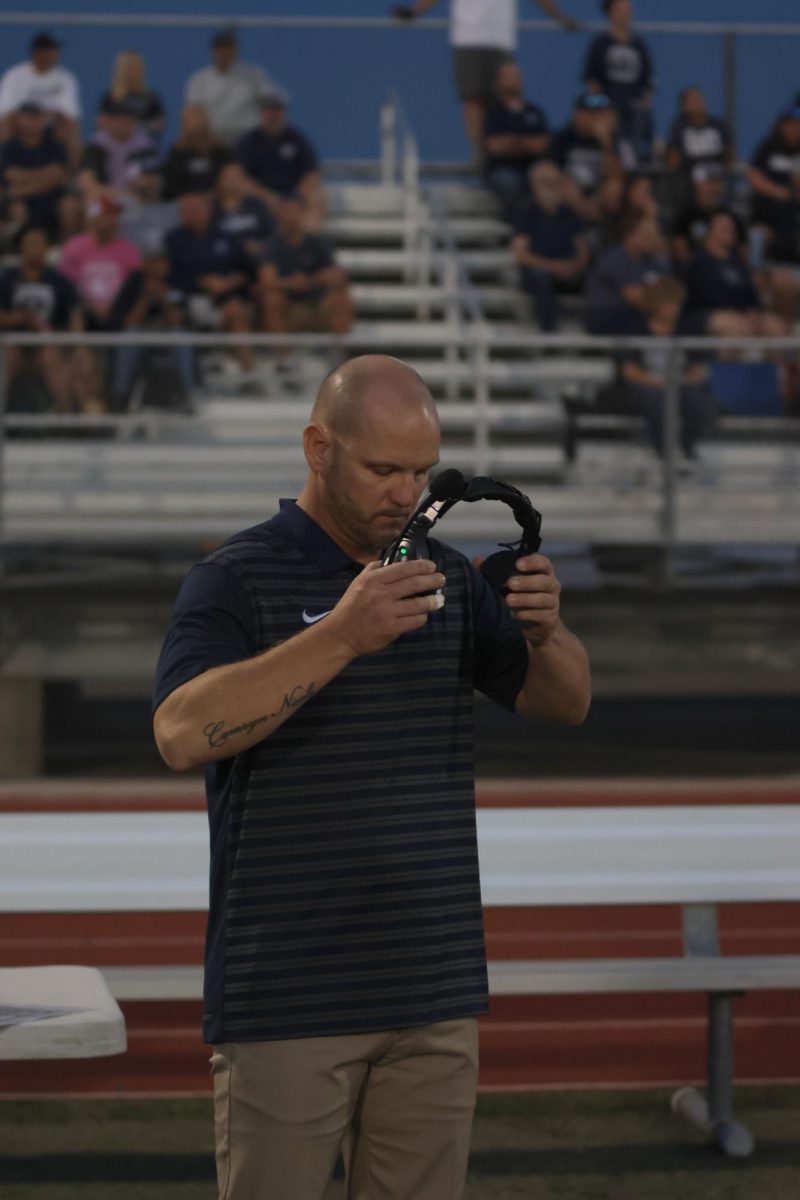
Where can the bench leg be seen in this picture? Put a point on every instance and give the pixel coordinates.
(715, 1116)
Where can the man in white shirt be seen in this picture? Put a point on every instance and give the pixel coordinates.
(228, 90)
(41, 81)
(483, 34)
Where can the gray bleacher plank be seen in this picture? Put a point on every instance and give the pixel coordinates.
(608, 976)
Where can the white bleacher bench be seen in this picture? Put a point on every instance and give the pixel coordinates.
(694, 856)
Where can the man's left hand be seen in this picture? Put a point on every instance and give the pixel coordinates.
(533, 598)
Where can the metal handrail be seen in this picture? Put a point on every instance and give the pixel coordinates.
(259, 21)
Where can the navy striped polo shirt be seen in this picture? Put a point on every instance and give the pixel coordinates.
(344, 893)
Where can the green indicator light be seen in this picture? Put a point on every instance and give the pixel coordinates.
(403, 550)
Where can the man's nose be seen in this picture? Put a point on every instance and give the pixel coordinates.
(404, 492)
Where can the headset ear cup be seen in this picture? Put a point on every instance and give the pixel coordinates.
(497, 568)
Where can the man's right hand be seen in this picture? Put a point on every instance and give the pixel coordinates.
(385, 602)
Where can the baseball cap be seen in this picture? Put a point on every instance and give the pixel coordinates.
(45, 41)
(274, 97)
(593, 101)
(102, 206)
(225, 37)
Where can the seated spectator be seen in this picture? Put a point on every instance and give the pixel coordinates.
(588, 150)
(644, 372)
(515, 137)
(42, 81)
(120, 159)
(240, 214)
(129, 87)
(619, 65)
(723, 299)
(213, 274)
(229, 91)
(35, 175)
(281, 161)
(615, 288)
(774, 176)
(146, 302)
(302, 288)
(548, 244)
(99, 261)
(697, 139)
(639, 199)
(691, 225)
(196, 158)
(35, 298)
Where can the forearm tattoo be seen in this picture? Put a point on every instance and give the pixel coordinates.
(217, 735)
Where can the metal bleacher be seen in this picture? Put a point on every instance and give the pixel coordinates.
(434, 283)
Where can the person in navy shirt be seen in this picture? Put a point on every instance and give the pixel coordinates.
(589, 151)
(35, 298)
(213, 273)
(35, 172)
(281, 161)
(515, 137)
(240, 214)
(774, 176)
(618, 65)
(302, 287)
(723, 299)
(548, 244)
(697, 139)
(330, 699)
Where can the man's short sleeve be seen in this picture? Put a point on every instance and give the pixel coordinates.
(501, 652)
(307, 159)
(212, 624)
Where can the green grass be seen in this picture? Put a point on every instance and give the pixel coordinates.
(547, 1146)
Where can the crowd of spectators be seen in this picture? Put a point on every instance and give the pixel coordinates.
(122, 233)
(222, 229)
(668, 238)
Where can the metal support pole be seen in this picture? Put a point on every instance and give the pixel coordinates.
(720, 1056)
(730, 81)
(389, 140)
(3, 382)
(670, 427)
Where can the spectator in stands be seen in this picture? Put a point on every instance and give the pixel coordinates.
(196, 158)
(41, 80)
(240, 214)
(99, 261)
(697, 139)
(691, 225)
(615, 288)
(723, 298)
(35, 174)
(120, 159)
(228, 90)
(281, 162)
(35, 298)
(213, 274)
(588, 149)
(129, 86)
(302, 287)
(644, 371)
(515, 137)
(483, 35)
(548, 244)
(774, 175)
(618, 65)
(147, 302)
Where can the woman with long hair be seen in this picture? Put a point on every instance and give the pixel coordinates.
(129, 85)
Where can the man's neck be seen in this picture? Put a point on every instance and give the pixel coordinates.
(322, 517)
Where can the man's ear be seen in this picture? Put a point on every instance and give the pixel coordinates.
(317, 446)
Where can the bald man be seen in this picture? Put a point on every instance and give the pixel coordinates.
(330, 699)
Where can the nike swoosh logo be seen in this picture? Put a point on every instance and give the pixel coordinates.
(309, 620)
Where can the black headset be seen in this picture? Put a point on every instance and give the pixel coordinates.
(446, 490)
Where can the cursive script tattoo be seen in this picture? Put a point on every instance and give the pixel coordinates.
(217, 735)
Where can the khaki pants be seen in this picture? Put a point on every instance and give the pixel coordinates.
(398, 1104)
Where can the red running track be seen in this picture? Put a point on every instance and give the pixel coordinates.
(526, 1042)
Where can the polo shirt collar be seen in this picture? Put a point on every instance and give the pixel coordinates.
(294, 523)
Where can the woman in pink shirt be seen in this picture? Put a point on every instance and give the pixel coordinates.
(98, 262)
